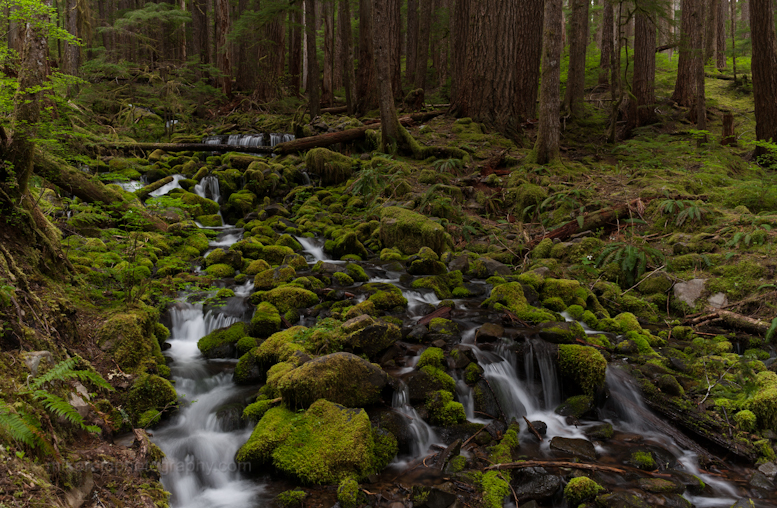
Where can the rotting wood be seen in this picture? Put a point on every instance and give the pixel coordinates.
(445, 455)
(731, 320)
(571, 465)
(442, 312)
(484, 427)
(186, 147)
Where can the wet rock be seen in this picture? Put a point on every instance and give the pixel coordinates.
(581, 448)
(769, 470)
(489, 332)
(422, 382)
(357, 323)
(690, 291)
(540, 427)
(432, 497)
(478, 289)
(576, 406)
(534, 483)
(661, 485)
(690, 482)
(760, 481)
(395, 423)
(530, 504)
(669, 385)
(669, 501)
(485, 402)
(717, 301)
(621, 499)
(460, 263)
(417, 333)
(79, 404)
(427, 267)
(678, 364)
(230, 417)
(494, 267)
(374, 338)
(600, 431)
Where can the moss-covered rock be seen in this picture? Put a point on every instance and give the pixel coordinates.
(432, 356)
(274, 277)
(274, 254)
(344, 245)
(131, 338)
(580, 490)
(149, 393)
(373, 338)
(256, 267)
(442, 285)
(569, 291)
(342, 377)
(290, 298)
(584, 365)
(332, 167)
(443, 410)
(325, 445)
(265, 321)
(222, 343)
(409, 231)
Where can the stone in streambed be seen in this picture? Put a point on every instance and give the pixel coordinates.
(576, 406)
(410, 231)
(561, 332)
(580, 448)
(620, 499)
(489, 332)
(221, 343)
(534, 483)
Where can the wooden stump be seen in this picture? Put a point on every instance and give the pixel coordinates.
(728, 137)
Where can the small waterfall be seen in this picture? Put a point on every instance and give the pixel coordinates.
(539, 351)
(423, 435)
(512, 394)
(208, 188)
(166, 188)
(248, 140)
(416, 301)
(313, 249)
(131, 186)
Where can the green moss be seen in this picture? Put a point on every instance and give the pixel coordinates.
(472, 373)
(275, 254)
(584, 365)
(576, 406)
(555, 304)
(643, 460)
(569, 291)
(130, 337)
(433, 356)
(279, 347)
(409, 231)
(443, 285)
(210, 221)
(289, 241)
(532, 279)
(443, 410)
(508, 296)
(494, 487)
(599, 340)
(581, 489)
(220, 271)
(443, 326)
(345, 245)
(149, 393)
(457, 464)
(764, 406)
(291, 498)
(221, 337)
(265, 321)
(348, 493)
(274, 277)
(627, 322)
(440, 378)
(576, 312)
(254, 412)
(342, 279)
(290, 298)
(245, 345)
(387, 300)
(391, 254)
(326, 444)
(746, 420)
(333, 168)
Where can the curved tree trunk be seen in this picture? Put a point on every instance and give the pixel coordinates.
(575, 91)
(546, 149)
(764, 67)
(531, 16)
(412, 40)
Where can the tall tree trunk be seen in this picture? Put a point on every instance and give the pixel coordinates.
(575, 92)
(529, 55)
(412, 40)
(685, 88)
(720, 43)
(744, 18)
(382, 43)
(422, 54)
(72, 52)
(327, 91)
(700, 106)
(710, 28)
(733, 21)
(313, 81)
(349, 78)
(642, 103)
(340, 59)
(295, 49)
(460, 34)
(764, 68)
(395, 23)
(272, 54)
(546, 148)
(200, 29)
(223, 58)
(366, 87)
(606, 44)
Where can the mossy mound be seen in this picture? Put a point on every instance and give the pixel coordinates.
(344, 245)
(409, 231)
(343, 378)
(290, 298)
(569, 291)
(324, 445)
(149, 393)
(584, 365)
(580, 490)
(443, 410)
(131, 338)
(333, 167)
(221, 343)
(265, 321)
(510, 297)
(274, 277)
(444, 286)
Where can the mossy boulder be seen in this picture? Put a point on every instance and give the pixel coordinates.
(373, 338)
(568, 332)
(581, 489)
(333, 168)
(265, 321)
(577, 406)
(222, 343)
(409, 231)
(274, 277)
(279, 347)
(130, 338)
(198, 205)
(220, 271)
(569, 291)
(149, 393)
(324, 445)
(426, 380)
(443, 410)
(511, 297)
(290, 298)
(583, 365)
(256, 267)
(341, 377)
(219, 256)
(344, 245)
(444, 286)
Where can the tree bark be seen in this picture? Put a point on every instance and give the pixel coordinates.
(546, 148)
(529, 56)
(223, 58)
(390, 128)
(340, 58)
(764, 68)
(72, 51)
(395, 22)
(314, 87)
(422, 53)
(460, 35)
(327, 92)
(710, 26)
(200, 29)
(700, 106)
(685, 88)
(720, 43)
(606, 44)
(349, 78)
(412, 40)
(644, 97)
(575, 91)
(728, 137)
(366, 87)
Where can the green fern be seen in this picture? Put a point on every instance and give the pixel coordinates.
(19, 428)
(448, 165)
(66, 369)
(60, 407)
(631, 259)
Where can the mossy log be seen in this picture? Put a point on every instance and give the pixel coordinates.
(185, 147)
(148, 189)
(733, 320)
(66, 177)
(345, 136)
(607, 219)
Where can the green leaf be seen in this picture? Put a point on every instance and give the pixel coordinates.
(771, 330)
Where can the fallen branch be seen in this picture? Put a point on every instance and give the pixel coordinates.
(484, 427)
(532, 429)
(186, 147)
(733, 320)
(540, 463)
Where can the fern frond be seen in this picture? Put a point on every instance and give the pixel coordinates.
(88, 376)
(60, 372)
(59, 406)
(19, 429)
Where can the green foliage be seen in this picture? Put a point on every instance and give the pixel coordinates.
(581, 489)
(684, 210)
(448, 165)
(632, 259)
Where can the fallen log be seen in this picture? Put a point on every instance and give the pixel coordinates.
(556, 463)
(346, 136)
(667, 46)
(719, 76)
(336, 110)
(733, 320)
(185, 147)
(148, 189)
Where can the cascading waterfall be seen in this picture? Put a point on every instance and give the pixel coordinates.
(539, 352)
(249, 140)
(423, 435)
(208, 188)
(313, 248)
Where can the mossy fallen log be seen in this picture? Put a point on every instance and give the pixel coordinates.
(148, 189)
(185, 147)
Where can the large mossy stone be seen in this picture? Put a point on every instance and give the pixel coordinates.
(583, 365)
(332, 167)
(149, 393)
(221, 343)
(265, 321)
(274, 277)
(409, 231)
(290, 298)
(374, 338)
(345, 244)
(343, 378)
(324, 445)
(130, 337)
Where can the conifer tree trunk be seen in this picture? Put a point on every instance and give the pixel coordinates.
(764, 68)
(529, 55)
(546, 148)
(700, 107)
(607, 43)
(327, 91)
(382, 43)
(339, 60)
(395, 24)
(295, 50)
(223, 58)
(459, 51)
(349, 77)
(313, 80)
(200, 29)
(710, 28)
(72, 52)
(642, 104)
(412, 40)
(422, 53)
(366, 86)
(685, 87)
(575, 91)
(720, 43)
